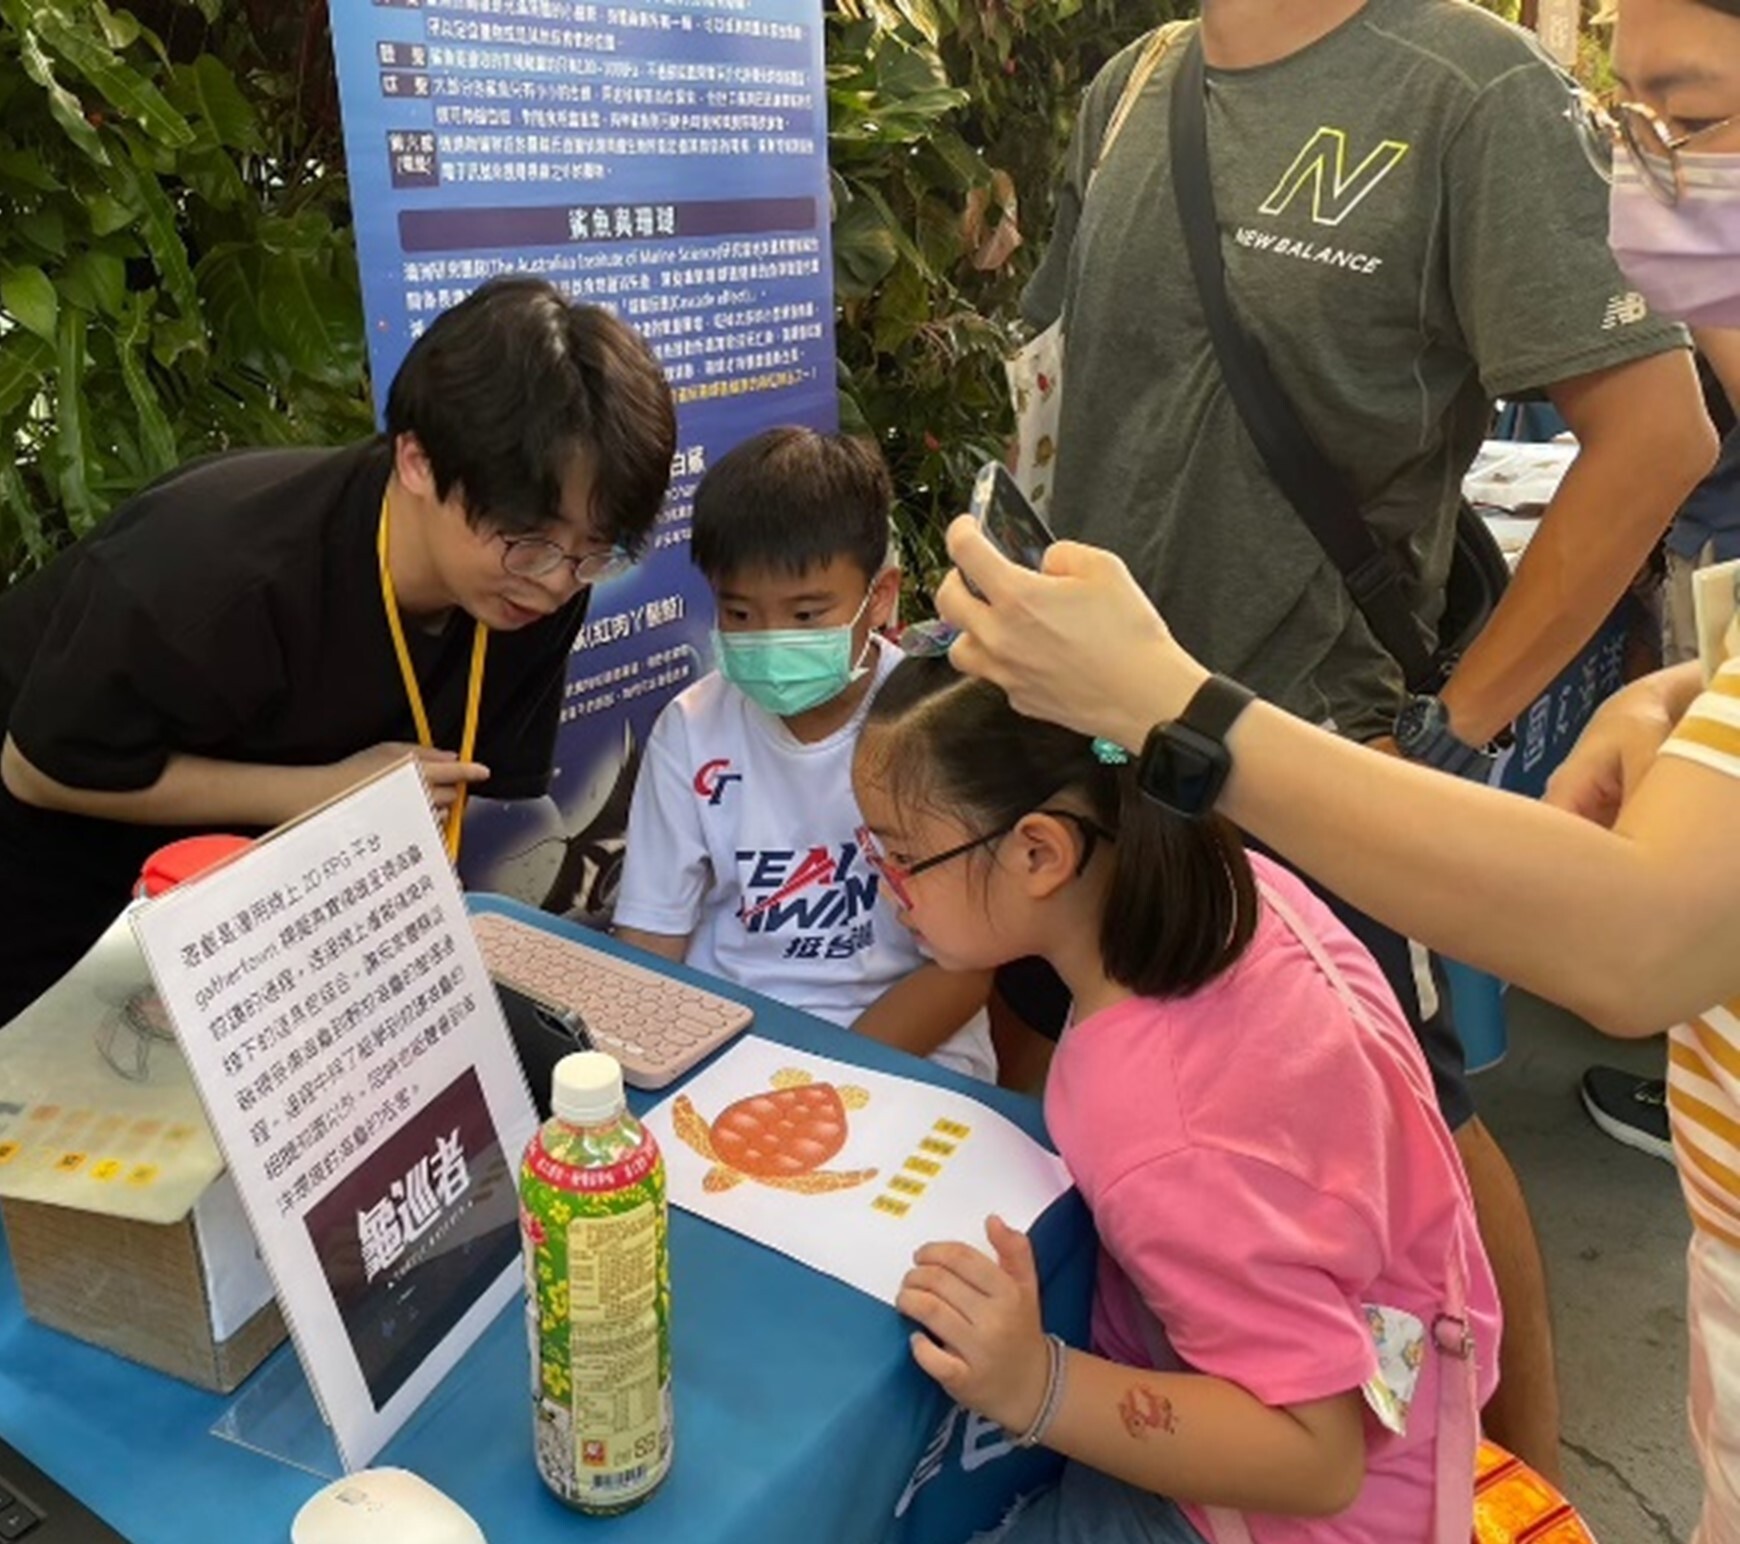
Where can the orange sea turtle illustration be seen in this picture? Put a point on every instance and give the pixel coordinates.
(780, 1138)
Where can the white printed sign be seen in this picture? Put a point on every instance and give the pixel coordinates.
(353, 1061)
(845, 1169)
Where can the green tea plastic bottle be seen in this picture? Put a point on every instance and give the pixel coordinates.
(598, 1292)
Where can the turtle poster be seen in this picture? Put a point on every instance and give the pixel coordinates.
(844, 1169)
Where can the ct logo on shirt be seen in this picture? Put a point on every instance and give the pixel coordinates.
(1321, 166)
(713, 778)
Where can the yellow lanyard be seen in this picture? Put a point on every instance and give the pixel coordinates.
(414, 695)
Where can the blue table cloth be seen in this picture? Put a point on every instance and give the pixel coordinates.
(799, 1413)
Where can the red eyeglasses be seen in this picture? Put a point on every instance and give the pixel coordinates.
(899, 876)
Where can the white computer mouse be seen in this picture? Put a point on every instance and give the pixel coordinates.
(383, 1506)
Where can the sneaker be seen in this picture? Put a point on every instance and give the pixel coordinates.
(1629, 1109)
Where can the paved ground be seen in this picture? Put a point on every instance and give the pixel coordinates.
(1614, 1233)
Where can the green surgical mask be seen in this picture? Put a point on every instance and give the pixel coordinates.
(789, 670)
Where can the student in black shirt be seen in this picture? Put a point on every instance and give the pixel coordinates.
(257, 631)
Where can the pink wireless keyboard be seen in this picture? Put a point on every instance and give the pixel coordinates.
(657, 1027)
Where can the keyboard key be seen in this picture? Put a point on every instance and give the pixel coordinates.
(656, 1027)
(16, 1521)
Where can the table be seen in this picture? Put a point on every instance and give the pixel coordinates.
(799, 1413)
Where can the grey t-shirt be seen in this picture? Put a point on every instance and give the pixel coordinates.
(1410, 228)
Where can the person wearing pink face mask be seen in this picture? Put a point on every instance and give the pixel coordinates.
(1674, 214)
(1618, 896)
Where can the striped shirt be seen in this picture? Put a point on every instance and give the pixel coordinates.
(1704, 1055)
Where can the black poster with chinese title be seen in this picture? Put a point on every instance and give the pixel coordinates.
(413, 1237)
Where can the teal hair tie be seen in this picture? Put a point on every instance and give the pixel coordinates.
(1109, 753)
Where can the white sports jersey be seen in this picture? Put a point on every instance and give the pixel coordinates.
(744, 840)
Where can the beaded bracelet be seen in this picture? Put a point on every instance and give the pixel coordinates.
(1056, 1353)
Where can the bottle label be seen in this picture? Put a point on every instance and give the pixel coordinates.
(598, 1306)
(621, 1175)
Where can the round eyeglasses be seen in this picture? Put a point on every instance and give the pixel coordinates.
(532, 557)
(1652, 148)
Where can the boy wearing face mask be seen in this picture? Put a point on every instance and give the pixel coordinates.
(743, 855)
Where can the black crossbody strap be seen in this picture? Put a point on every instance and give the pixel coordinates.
(1315, 488)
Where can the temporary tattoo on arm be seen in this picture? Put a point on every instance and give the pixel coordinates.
(1143, 1411)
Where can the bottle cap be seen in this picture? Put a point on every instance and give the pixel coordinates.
(184, 860)
(587, 1089)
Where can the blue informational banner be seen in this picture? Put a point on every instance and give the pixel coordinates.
(666, 159)
(1545, 734)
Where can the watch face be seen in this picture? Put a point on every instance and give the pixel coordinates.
(1418, 721)
(1184, 770)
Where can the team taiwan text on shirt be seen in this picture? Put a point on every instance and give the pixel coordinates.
(1704, 1055)
(743, 839)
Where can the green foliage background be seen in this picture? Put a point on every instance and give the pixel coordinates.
(948, 125)
(176, 268)
(178, 273)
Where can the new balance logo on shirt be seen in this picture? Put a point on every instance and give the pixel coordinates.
(1307, 251)
(1321, 166)
(1625, 311)
(1332, 191)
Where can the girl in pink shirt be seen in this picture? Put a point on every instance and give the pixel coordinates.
(1295, 1325)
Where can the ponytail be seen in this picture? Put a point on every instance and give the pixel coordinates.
(1182, 904)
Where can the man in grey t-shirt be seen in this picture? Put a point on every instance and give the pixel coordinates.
(1409, 230)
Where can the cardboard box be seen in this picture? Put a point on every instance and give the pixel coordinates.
(125, 1228)
(188, 1298)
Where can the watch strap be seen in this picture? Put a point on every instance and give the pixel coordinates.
(1446, 753)
(1213, 709)
(1438, 746)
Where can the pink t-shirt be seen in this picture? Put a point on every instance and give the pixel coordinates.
(1261, 1167)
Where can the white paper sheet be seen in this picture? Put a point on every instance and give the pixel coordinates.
(914, 1163)
(237, 1283)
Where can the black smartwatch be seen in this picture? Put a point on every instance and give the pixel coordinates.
(1184, 764)
(1423, 734)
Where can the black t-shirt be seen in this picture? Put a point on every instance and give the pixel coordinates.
(232, 610)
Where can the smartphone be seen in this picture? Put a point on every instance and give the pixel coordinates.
(1009, 522)
(543, 1033)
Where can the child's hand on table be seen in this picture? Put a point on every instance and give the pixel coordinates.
(984, 1343)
